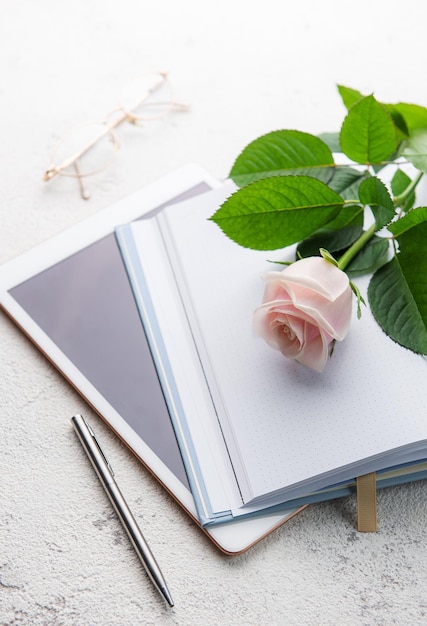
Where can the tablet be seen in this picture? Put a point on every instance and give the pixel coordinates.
(72, 298)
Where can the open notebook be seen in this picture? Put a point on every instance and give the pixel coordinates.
(256, 430)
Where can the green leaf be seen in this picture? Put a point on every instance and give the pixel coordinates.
(349, 96)
(415, 116)
(335, 241)
(332, 140)
(283, 152)
(374, 193)
(370, 258)
(399, 183)
(368, 134)
(414, 149)
(349, 215)
(346, 181)
(412, 225)
(398, 291)
(277, 212)
(336, 235)
(399, 122)
(395, 308)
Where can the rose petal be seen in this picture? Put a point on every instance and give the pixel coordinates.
(305, 307)
(325, 298)
(290, 335)
(315, 354)
(318, 274)
(333, 317)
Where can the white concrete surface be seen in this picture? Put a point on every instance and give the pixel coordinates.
(246, 68)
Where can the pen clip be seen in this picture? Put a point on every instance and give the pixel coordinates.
(107, 462)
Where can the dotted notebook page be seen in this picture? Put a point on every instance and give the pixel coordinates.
(289, 424)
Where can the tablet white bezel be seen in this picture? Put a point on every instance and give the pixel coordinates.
(233, 537)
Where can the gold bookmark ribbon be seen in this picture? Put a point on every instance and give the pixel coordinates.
(367, 503)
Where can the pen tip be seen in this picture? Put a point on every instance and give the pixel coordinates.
(167, 596)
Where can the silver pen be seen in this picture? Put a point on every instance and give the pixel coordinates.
(106, 476)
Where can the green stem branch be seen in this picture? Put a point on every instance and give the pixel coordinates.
(356, 247)
(400, 199)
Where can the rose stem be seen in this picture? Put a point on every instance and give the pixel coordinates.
(356, 247)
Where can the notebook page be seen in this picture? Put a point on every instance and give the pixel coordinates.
(177, 366)
(288, 423)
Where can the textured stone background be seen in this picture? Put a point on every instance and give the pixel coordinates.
(246, 68)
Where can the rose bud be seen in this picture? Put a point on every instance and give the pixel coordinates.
(305, 309)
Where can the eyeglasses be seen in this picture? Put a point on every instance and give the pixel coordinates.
(90, 148)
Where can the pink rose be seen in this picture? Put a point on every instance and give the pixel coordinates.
(305, 308)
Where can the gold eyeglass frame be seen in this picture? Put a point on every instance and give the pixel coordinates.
(108, 126)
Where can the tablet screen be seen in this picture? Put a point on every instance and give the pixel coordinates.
(85, 305)
(72, 297)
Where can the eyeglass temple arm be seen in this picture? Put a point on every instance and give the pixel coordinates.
(84, 192)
